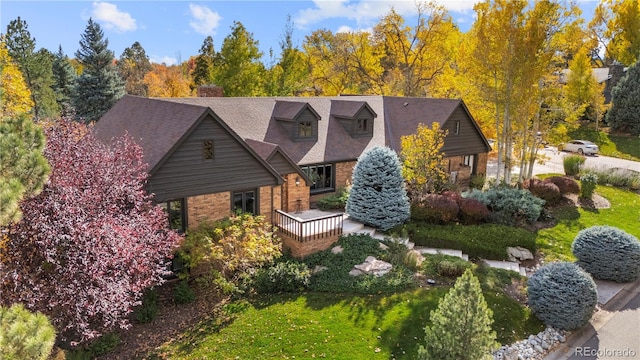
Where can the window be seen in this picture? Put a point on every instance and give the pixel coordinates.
(207, 149)
(305, 130)
(361, 125)
(244, 201)
(176, 213)
(321, 177)
(457, 130)
(468, 160)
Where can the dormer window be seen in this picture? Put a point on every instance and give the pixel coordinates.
(355, 116)
(298, 118)
(305, 129)
(361, 126)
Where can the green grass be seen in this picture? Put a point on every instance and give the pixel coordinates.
(624, 213)
(623, 147)
(339, 326)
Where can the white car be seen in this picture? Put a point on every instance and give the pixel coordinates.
(581, 147)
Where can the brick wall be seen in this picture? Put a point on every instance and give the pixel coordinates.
(295, 192)
(482, 163)
(210, 91)
(266, 206)
(302, 249)
(208, 207)
(343, 173)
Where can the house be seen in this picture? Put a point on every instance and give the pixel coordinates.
(211, 156)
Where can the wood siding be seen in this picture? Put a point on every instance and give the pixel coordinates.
(280, 164)
(306, 116)
(186, 173)
(468, 140)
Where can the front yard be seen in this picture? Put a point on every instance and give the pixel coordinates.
(378, 321)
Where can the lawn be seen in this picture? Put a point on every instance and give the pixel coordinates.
(345, 326)
(623, 147)
(624, 213)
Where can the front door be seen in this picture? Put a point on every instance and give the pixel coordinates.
(245, 201)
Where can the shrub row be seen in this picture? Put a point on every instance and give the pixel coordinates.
(487, 241)
(509, 205)
(447, 207)
(618, 177)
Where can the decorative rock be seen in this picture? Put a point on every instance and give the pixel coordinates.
(519, 253)
(319, 268)
(431, 282)
(535, 347)
(544, 345)
(533, 342)
(560, 338)
(383, 246)
(337, 249)
(539, 349)
(355, 272)
(373, 266)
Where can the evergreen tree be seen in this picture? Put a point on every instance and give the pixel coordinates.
(461, 325)
(204, 72)
(133, 65)
(625, 109)
(100, 86)
(24, 335)
(35, 67)
(240, 72)
(378, 197)
(64, 77)
(23, 168)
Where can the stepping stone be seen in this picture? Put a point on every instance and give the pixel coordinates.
(506, 265)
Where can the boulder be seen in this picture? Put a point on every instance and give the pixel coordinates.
(519, 253)
(337, 249)
(383, 246)
(372, 266)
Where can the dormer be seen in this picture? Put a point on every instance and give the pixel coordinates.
(355, 116)
(299, 118)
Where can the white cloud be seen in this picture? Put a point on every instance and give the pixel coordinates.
(205, 21)
(167, 60)
(367, 11)
(111, 18)
(349, 29)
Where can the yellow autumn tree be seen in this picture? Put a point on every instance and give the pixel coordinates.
(167, 81)
(616, 26)
(15, 97)
(423, 165)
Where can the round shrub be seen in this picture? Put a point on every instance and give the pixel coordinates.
(473, 211)
(546, 191)
(566, 184)
(608, 253)
(508, 205)
(288, 276)
(562, 295)
(434, 208)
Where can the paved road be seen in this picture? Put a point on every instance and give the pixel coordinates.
(612, 334)
(553, 163)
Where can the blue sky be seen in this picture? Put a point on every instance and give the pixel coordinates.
(172, 31)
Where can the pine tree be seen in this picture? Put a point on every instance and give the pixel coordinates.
(625, 110)
(133, 65)
(378, 197)
(204, 72)
(461, 325)
(64, 77)
(25, 335)
(35, 67)
(23, 168)
(100, 85)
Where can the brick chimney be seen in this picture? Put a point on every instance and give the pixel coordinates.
(210, 91)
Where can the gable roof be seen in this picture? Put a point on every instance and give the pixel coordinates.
(158, 124)
(159, 127)
(269, 151)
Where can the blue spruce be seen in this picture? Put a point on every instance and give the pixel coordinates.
(378, 196)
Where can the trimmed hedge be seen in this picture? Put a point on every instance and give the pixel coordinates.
(487, 241)
(562, 295)
(608, 253)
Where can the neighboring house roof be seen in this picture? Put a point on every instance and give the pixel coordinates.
(600, 74)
